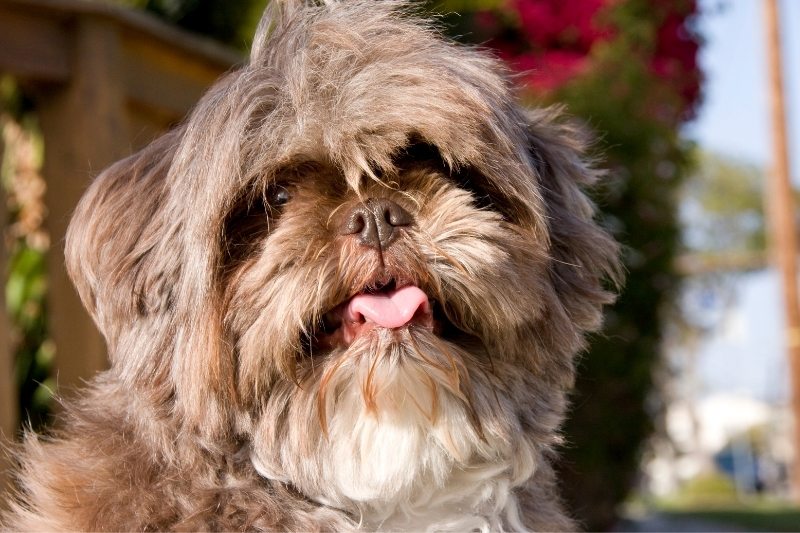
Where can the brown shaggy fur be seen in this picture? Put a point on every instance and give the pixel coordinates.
(209, 259)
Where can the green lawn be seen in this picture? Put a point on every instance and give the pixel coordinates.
(757, 517)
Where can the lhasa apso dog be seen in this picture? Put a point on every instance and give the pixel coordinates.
(345, 294)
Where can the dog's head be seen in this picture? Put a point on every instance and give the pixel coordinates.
(359, 256)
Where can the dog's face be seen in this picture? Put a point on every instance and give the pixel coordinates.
(358, 258)
(392, 309)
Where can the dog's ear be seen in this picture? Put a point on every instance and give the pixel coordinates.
(114, 239)
(585, 258)
(144, 247)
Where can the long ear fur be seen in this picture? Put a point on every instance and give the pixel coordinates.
(126, 254)
(585, 257)
(114, 239)
(121, 253)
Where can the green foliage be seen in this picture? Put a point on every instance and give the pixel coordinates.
(739, 516)
(610, 419)
(26, 286)
(635, 115)
(706, 490)
(25, 299)
(724, 206)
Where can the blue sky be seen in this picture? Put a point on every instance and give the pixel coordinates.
(734, 118)
(745, 353)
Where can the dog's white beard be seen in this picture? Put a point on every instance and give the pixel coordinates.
(413, 459)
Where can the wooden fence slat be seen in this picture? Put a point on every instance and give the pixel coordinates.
(41, 59)
(181, 81)
(85, 129)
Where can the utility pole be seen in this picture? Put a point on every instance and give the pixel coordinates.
(781, 214)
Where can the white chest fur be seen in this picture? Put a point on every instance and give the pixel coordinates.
(415, 462)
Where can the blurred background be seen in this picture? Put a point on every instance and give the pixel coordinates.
(683, 417)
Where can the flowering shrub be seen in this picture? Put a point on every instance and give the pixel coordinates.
(550, 42)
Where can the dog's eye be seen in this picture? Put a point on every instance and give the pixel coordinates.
(470, 181)
(278, 196)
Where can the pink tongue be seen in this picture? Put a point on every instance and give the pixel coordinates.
(390, 310)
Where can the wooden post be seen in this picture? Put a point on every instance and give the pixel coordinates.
(780, 201)
(84, 125)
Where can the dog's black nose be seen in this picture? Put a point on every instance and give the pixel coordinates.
(375, 221)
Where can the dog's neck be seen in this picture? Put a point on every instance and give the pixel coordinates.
(480, 498)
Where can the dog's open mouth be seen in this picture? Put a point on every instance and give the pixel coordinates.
(388, 306)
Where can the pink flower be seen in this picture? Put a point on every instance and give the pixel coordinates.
(551, 40)
(550, 70)
(561, 23)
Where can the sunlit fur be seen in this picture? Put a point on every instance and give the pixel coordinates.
(219, 411)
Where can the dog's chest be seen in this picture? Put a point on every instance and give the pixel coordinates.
(480, 499)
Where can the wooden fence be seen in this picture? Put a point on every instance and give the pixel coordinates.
(105, 81)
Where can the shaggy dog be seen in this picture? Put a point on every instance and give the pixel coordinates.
(345, 294)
